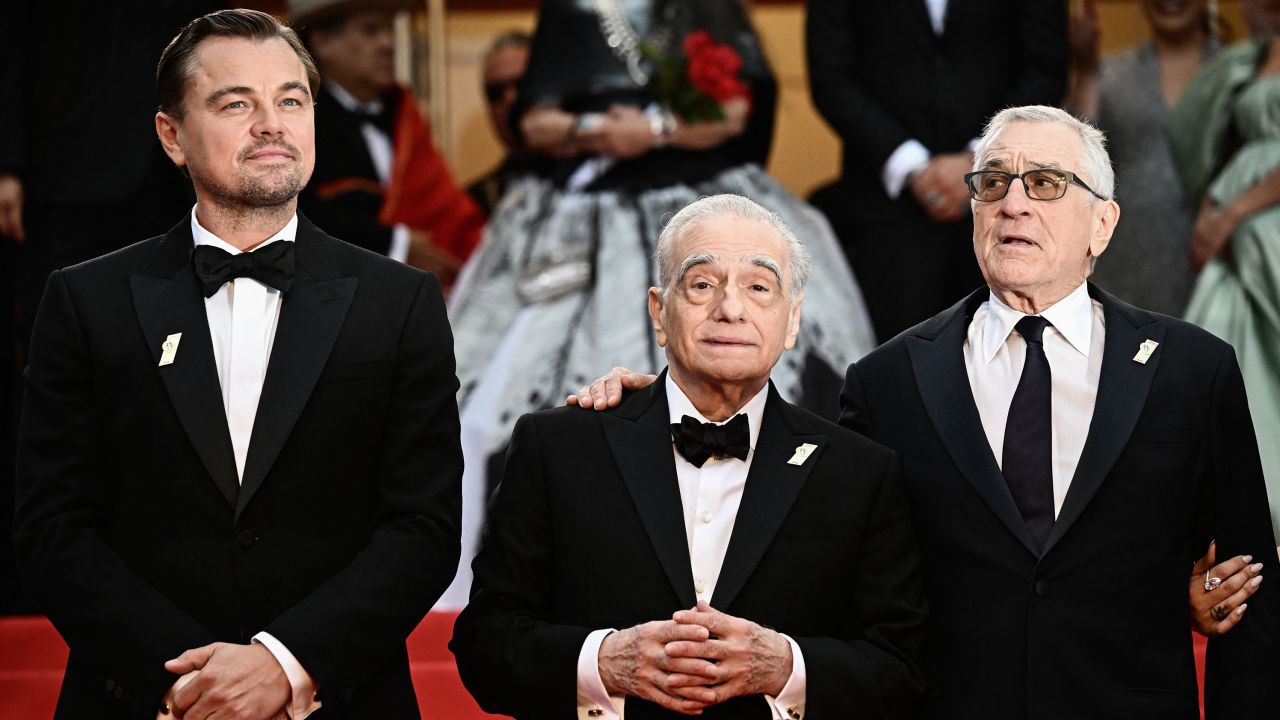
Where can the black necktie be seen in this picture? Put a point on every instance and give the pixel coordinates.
(271, 265)
(697, 441)
(1028, 435)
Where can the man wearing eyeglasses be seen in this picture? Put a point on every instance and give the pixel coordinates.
(1068, 456)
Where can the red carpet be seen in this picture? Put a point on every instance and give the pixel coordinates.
(32, 656)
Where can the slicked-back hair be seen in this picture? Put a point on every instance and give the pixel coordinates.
(712, 206)
(177, 62)
(1095, 163)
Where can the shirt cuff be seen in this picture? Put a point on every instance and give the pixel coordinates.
(910, 157)
(594, 702)
(300, 683)
(789, 705)
(399, 250)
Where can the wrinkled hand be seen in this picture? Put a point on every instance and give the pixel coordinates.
(635, 662)
(940, 188)
(1215, 612)
(1083, 35)
(11, 208)
(740, 657)
(1213, 231)
(606, 392)
(244, 682)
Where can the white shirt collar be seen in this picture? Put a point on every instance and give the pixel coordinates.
(203, 237)
(1072, 317)
(349, 101)
(679, 405)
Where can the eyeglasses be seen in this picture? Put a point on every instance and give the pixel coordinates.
(1041, 184)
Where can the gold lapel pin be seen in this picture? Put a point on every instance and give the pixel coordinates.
(1147, 347)
(169, 349)
(802, 453)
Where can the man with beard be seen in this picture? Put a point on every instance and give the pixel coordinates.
(238, 464)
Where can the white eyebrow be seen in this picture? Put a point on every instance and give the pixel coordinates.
(693, 261)
(769, 264)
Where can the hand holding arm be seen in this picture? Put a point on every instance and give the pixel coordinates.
(606, 392)
(1215, 611)
(235, 681)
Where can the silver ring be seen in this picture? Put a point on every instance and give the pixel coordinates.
(1211, 583)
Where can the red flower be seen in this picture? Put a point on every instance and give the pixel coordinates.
(713, 69)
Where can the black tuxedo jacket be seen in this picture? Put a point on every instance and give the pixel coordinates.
(880, 76)
(132, 529)
(1096, 626)
(586, 531)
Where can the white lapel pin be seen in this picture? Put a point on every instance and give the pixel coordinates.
(169, 349)
(802, 453)
(1147, 347)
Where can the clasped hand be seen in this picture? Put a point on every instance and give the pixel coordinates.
(699, 658)
(223, 681)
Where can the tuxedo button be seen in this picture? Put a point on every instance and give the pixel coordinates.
(118, 692)
(1042, 588)
(246, 538)
(111, 685)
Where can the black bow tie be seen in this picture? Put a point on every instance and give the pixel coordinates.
(381, 119)
(698, 441)
(271, 265)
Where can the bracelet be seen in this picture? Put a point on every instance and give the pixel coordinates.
(662, 125)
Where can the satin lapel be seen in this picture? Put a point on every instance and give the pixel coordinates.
(168, 300)
(311, 317)
(919, 10)
(938, 363)
(772, 487)
(639, 435)
(1122, 393)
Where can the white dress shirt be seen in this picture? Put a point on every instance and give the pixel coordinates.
(242, 325)
(994, 354)
(710, 496)
(381, 152)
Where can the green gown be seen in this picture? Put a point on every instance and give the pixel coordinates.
(1228, 107)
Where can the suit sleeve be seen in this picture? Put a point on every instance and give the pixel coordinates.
(344, 631)
(863, 125)
(1243, 666)
(874, 666)
(114, 621)
(512, 659)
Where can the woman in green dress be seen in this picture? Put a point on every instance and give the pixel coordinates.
(1225, 139)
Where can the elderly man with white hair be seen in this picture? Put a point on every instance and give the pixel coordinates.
(705, 547)
(1068, 456)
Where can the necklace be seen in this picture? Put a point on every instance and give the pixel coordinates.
(625, 42)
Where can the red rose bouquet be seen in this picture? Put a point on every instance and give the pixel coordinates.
(695, 83)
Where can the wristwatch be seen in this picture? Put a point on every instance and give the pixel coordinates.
(662, 125)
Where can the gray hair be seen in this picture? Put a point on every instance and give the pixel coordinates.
(706, 208)
(1096, 163)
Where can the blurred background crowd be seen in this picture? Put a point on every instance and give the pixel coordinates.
(528, 153)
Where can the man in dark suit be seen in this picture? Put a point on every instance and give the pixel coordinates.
(907, 85)
(659, 551)
(379, 181)
(243, 463)
(1067, 456)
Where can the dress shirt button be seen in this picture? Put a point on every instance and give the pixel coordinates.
(705, 516)
(246, 538)
(1042, 588)
(699, 586)
(595, 712)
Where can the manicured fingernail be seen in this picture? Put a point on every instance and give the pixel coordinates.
(1256, 567)
(1240, 610)
(1248, 558)
(1256, 581)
